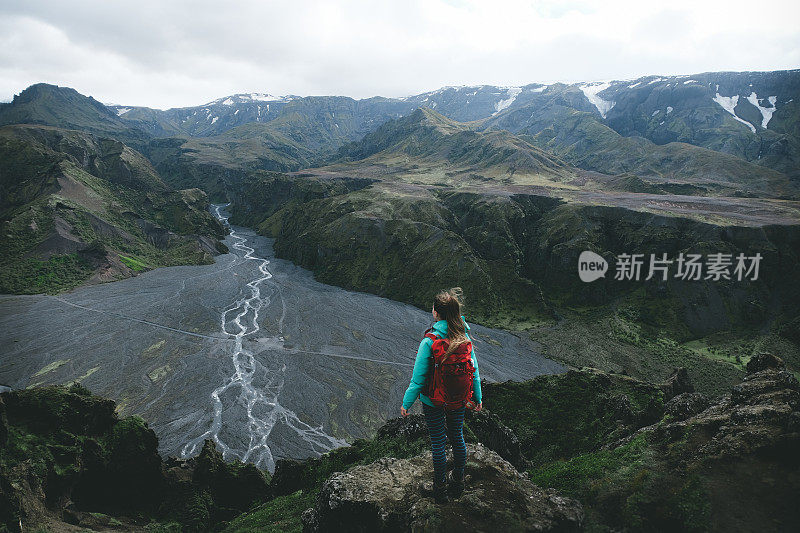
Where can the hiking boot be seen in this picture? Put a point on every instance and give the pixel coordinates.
(440, 493)
(431, 488)
(455, 486)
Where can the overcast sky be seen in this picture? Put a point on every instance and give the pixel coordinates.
(162, 54)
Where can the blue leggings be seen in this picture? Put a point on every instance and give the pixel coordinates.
(444, 425)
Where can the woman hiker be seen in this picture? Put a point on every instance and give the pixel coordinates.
(444, 395)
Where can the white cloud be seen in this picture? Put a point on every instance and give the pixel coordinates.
(181, 52)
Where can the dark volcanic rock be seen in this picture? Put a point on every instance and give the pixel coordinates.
(410, 427)
(682, 472)
(3, 422)
(386, 496)
(234, 486)
(289, 476)
(677, 383)
(763, 361)
(70, 458)
(759, 416)
(10, 512)
(496, 436)
(685, 405)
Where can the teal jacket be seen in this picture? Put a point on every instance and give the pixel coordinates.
(423, 362)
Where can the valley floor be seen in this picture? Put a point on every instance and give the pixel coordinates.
(324, 365)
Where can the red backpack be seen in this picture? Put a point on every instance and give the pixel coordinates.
(449, 380)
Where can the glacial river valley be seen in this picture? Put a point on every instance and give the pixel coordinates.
(251, 352)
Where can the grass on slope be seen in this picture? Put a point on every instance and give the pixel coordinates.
(65, 216)
(560, 416)
(279, 515)
(56, 274)
(623, 488)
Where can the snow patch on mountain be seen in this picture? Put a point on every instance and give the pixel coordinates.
(511, 94)
(262, 97)
(728, 103)
(247, 98)
(539, 89)
(214, 120)
(122, 110)
(669, 109)
(591, 90)
(766, 112)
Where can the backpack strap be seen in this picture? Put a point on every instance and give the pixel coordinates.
(432, 336)
(426, 390)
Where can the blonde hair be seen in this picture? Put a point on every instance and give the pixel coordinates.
(448, 304)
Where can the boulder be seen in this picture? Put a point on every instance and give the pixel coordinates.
(410, 427)
(232, 485)
(386, 496)
(677, 383)
(495, 435)
(759, 416)
(685, 405)
(289, 476)
(764, 360)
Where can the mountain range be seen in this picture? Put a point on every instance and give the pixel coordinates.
(512, 181)
(752, 115)
(496, 189)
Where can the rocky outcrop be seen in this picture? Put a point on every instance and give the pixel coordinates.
(386, 496)
(3, 423)
(70, 458)
(206, 490)
(77, 202)
(409, 427)
(761, 414)
(399, 437)
(744, 443)
(677, 383)
(764, 361)
(495, 435)
(685, 405)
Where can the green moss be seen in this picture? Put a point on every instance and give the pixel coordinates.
(627, 487)
(196, 511)
(560, 416)
(577, 475)
(281, 514)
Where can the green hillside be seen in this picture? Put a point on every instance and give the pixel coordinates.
(76, 207)
(582, 139)
(66, 108)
